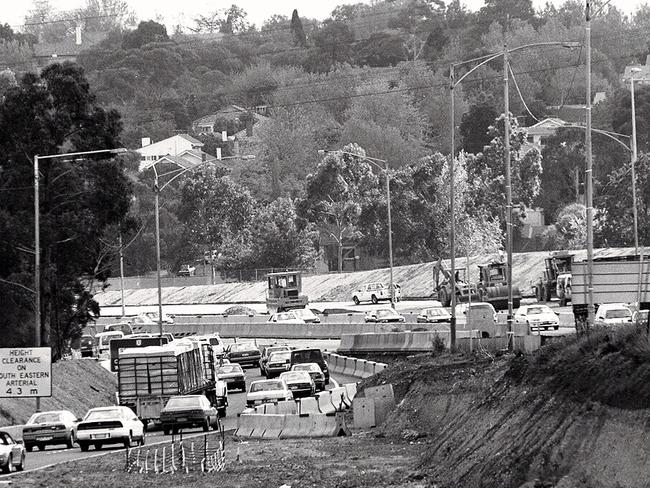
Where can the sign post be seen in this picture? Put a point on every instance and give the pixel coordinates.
(25, 372)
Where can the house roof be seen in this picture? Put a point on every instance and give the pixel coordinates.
(191, 139)
(642, 74)
(68, 46)
(545, 127)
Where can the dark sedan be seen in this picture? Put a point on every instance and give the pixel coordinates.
(50, 428)
(244, 353)
(314, 371)
(188, 411)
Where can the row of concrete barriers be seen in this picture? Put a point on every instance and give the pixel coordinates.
(319, 416)
(349, 366)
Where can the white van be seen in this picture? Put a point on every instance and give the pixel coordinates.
(103, 340)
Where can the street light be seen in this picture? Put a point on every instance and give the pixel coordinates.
(37, 237)
(157, 189)
(376, 162)
(452, 231)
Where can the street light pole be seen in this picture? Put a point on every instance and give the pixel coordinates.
(156, 190)
(390, 237)
(122, 275)
(588, 172)
(634, 159)
(506, 141)
(452, 211)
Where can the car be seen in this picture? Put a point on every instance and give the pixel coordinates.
(311, 355)
(218, 346)
(266, 391)
(186, 411)
(314, 371)
(244, 353)
(123, 327)
(434, 315)
(233, 375)
(12, 453)
(110, 425)
(285, 318)
(153, 316)
(266, 352)
(187, 270)
(86, 344)
(300, 383)
(375, 292)
(609, 314)
(50, 428)
(307, 315)
(640, 317)
(239, 310)
(277, 363)
(103, 341)
(537, 317)
(383, 315)
(478, 311)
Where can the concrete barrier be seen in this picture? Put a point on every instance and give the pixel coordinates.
(287, 407)
(260, 425)
(245, 425)
(297, 426)
(567, 319)
(324, 399)
(350, 390)
(274, 424)
(308, 405)
(349, 366)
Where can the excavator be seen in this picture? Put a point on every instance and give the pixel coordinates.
(442, 279)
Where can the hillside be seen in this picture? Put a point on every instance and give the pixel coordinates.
(77, 385)
(416, 281)
(573, 415)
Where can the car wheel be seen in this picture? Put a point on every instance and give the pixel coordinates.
(41, 447)
(557, 327)
(374, 300)
(9, 467)
(222, 412)
(174, 430)
(206, 425)
(98, 446)
(356, 300)
(21, 466)
(166, 431)
(143, 439)
(69, 443)
(129, 440)
(29, 447)
(83, 446)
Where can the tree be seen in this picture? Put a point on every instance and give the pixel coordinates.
(621, 106)
(147, 32)
(336, 194)
(475, 124)
(334, 45)
(48, 114)
(571, 225)
(297, 31)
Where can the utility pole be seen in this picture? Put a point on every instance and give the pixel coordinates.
(635, 211)
(390, 236)
(37, 266)
(588, 173)
(122, 275)
(452, 227)
(156, 190)
(506, 141)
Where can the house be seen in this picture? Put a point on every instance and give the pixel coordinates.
(542, 130)
(68, 49)
(641, 73)
(232, 113)
(181, 149)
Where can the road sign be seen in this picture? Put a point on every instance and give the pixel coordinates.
(25, 372)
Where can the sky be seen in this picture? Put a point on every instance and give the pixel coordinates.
(182, 12)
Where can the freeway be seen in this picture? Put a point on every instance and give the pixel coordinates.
(236, 403)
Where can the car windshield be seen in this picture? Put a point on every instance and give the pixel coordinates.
(242, 346)
(271, 350)
(308, 356)
(303, 312)
(384, 313)
(618, 313)
(42, 418)
(538, 310)
(280, 356)
(436, 311)
(306, 367)
(267, 386)
(294, 376)
(285, 316)
(110, 413)
(229, 368)
(186, 401)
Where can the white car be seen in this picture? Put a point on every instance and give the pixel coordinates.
(374, 292)
(383, 315)
(479, 311)
(153, 316)
(103, 341)
(266, 391)
(613, 314)
(110, 425)
(300, 383)
(12, 454)
(307, 315)
(434, 315)
(537, 317)
(285, 318)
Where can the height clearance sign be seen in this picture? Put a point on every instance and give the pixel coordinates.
(25, 372)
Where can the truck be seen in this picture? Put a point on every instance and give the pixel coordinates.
(284, 292)
(465, 291)
(493, 286)
(617, 279)
(556, 278)
(148, 376)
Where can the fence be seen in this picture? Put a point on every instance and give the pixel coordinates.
(204, 454)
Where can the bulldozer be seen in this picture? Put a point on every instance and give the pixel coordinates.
(556, 278)
(465, 291)
(493, 286)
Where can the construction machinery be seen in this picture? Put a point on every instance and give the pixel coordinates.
(284, 292)
(493, 286)
(556, 278)
(465, 291)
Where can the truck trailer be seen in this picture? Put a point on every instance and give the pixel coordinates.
(148, 376)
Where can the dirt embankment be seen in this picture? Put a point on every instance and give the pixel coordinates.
(77, 385)
(575, 415)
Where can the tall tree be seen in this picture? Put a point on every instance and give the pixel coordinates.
(52, 113)
(297, 31)
(475, 124)
(147, 32)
